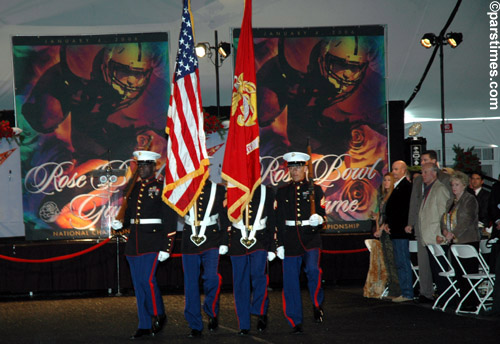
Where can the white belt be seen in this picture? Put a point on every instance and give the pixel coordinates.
(212, 220)
(145, 221)
(258, 226)
(298, 223)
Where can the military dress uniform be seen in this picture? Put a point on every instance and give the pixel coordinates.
(249, 253)
(200, 246)
(302, 244)
(152, 229)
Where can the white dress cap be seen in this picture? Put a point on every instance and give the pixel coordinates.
(143, 155)
(296, 158)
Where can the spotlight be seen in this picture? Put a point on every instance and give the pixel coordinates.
(428, 40)
(224, 49)
(454, 39)
(202, 49)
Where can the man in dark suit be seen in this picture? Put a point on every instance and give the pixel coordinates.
(396, 219)
(424, 266)
(482, 197)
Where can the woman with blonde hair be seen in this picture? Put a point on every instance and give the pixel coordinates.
(382, 232)
(459, 225)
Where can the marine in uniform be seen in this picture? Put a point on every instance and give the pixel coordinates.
(201, 241)
(299, 240)
(252, 241)
(152, 226)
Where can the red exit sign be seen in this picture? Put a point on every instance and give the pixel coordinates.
(447, 128)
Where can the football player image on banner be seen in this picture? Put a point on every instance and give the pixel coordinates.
(85, 103)
(325, 86)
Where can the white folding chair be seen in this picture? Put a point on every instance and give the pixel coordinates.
(414, 249)
(483, 251)
(475, 279)
(446, 271)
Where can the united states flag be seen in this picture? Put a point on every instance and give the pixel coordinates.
(187, 162)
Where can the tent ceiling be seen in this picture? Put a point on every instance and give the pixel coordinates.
(466, 67)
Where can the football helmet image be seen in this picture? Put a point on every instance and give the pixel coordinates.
(335, 69)
(342, 62)
(127, 69)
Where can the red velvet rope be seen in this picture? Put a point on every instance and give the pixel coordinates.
(174, 255)
(54, 259)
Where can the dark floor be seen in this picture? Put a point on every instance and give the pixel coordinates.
(349, 318)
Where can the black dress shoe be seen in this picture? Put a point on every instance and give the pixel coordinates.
(262, 322)
(158, 323)
(194, 334)
(213, 323)
(243, 332)
(297, 329)
(141, 332)
(318, 314)
(424, 299)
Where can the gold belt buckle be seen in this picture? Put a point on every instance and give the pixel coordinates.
(298, 223)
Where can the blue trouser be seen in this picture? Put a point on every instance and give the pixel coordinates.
(292, 298)
(212, 281)
(250, 282)
(147, 293)
(402, 258)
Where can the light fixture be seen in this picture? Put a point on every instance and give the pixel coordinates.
(454, 38)
(224, 49)
(202, 49)
(428, 40)
(216, 54)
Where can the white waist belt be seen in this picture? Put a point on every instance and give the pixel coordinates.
(258, 226)
(212, 220)
(298, 223)
(145, 221)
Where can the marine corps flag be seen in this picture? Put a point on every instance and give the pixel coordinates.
(187, 160)
(241, 167)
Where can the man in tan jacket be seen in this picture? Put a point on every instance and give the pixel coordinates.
(424, 268)
(433, 206)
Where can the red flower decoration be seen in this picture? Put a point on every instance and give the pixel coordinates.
(6, 130)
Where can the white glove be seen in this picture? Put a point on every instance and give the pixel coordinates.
(280, 252)
(315, 220)
(163, 256)
(271, 256)
(223, 249)
(116, 225)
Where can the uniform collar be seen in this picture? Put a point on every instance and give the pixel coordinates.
(148, 180)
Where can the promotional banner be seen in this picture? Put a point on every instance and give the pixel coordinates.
(85, 103)
(326, 86)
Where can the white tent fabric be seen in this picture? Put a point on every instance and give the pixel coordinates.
(466, 67)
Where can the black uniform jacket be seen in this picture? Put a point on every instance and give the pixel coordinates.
(266, 237)
(294, 205)
(213, 233)
(145, 202)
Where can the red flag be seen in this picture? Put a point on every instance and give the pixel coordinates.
(241, 168)
(187, 161)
